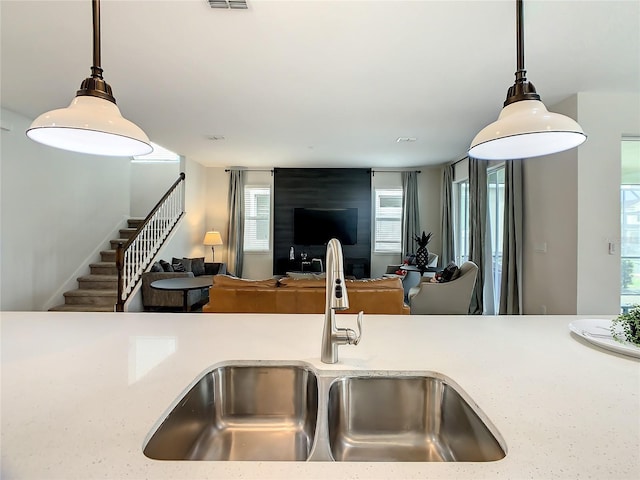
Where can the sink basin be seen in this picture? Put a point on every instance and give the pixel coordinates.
(289, 411)
(242, 412)
(406, 419)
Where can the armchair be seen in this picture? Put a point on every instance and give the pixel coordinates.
(450, 298)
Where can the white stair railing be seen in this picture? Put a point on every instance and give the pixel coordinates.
(134, 256)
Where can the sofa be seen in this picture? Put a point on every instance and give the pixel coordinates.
(153, 299)
(295, 295)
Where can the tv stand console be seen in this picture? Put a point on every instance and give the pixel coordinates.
(353, 266)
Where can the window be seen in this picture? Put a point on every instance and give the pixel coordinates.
(257, 218)
(630, 224)
(495, 208)
(388, 220)
(461, 209)
(495, 213)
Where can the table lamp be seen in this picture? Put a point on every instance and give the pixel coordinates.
(212, 239)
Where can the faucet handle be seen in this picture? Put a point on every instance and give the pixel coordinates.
(353, 338)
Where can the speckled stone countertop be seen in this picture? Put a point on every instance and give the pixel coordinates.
(81, 391)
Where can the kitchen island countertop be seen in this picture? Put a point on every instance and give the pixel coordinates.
(81, 391)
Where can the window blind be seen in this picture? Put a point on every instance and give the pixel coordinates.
(388, 220)
(257, 218)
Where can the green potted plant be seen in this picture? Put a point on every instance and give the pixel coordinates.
(626, 326)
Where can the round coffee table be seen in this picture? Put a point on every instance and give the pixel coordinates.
(184, 285)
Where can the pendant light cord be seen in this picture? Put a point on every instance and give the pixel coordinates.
(522, 89)
(95, 86)
(520, 36)
(96, 70)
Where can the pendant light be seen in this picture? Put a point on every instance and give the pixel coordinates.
(525, 128)
(92, 123)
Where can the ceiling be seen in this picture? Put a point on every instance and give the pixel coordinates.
(315, 83)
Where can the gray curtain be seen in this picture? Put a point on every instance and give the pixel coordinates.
(478, 229)
(447, 227)
(236, 221)
(410, 211)
(511, 283)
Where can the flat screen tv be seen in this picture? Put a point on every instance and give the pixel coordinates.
(316, 226)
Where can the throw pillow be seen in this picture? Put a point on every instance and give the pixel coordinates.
(166, 266)
(451, 272)
(156, 267)
(178, 267)
(186, 264)
(197, 266)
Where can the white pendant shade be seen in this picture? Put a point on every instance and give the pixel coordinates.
(90, 125)
(526, 129)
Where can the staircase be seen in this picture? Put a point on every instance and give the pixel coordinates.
(98, 291)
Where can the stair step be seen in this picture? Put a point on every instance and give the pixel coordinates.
(82, 308)
(97, 291)
(127, 232)
(135, 222)
(98, 282)
(103, 268)
(108, 256)
(91, 297)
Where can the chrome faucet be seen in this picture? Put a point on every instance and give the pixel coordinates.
(336, 299)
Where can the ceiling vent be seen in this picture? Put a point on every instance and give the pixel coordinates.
(233, 4)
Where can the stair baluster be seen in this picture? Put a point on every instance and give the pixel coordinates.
(134, 256)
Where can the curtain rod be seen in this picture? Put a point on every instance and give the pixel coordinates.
(373, 172)
(458, 161)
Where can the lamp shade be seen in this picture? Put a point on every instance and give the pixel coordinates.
(90, 125)
(212, 238)
(526, 129)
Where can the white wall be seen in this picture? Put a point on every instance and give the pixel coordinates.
(217, 209)
(605, 118)
(550, 204)
(58, 210)
(572, 209)
(149, 182)
(429, 195)
(186, 241)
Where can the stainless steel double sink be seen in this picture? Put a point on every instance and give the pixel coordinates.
(289, 411)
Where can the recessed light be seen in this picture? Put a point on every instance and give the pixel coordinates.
(405, 139)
